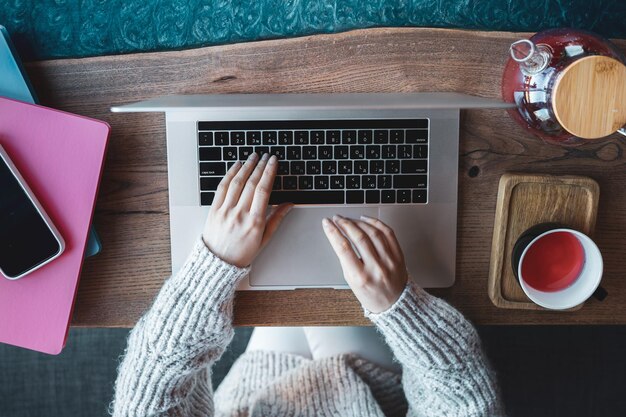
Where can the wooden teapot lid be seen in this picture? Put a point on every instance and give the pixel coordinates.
(589, 97)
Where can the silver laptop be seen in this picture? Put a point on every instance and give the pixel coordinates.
(391, 156)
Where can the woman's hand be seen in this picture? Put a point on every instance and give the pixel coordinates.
(237, 227)
(379, 276)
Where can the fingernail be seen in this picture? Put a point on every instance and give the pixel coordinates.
(325, 222)
(265, 157)
(253, 156)
(273, 159)
(337, 217)
(366, 217)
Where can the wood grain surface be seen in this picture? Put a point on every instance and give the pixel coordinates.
(589, 97)
(132, 210)
(526, 200)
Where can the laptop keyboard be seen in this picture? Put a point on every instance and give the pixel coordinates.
(324, 161)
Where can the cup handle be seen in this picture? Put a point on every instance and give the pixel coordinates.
(600, 294)
(622, 131)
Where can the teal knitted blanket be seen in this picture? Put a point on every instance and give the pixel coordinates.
(76, 28)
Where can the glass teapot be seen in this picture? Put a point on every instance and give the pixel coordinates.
(569, 86)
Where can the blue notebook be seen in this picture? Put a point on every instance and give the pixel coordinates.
(14, 84)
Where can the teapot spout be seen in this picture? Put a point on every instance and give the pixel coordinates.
(532, 58)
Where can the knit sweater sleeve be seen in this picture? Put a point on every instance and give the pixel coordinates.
(166, 367)
(444, 370)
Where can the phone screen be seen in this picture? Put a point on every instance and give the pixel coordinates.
(26, 241)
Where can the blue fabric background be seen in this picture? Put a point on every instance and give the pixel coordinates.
(74, 28)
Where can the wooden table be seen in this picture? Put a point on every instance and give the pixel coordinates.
(132, 210)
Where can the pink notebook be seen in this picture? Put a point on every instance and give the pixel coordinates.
(60, 155)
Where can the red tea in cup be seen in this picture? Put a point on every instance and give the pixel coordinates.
(553, 262)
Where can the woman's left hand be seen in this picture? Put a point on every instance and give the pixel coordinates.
(238, 227)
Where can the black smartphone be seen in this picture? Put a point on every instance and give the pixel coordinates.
(28, 239)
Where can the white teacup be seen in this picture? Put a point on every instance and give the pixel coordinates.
(583, 286)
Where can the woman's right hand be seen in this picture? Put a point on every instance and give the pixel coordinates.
(379, 276)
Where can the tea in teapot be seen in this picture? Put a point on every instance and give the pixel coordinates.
(569, 86)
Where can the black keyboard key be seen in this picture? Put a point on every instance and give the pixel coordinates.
(414, 166)
(305, 182)
(404, 196)
(313, 167)
(329, 167)
(372, 152)
(420, 151)
(294, 152)
(285, 137)
(409, 181)
(317, 137)
(384, 181)
(212, 168)
(230, 154)
(355, 197)
(290, 182)
(210, 154)
(237, 138)
(206, 199)
(357, 152)
(253, 138)
(307, 197)
(342, 152)
(417, 136)
(369, 181)
(261, 150)
(377, 167)
(301, 137)
(388, 196)
(419, 196)
(321, 182)
(405, 152)
(221, 138)
(364, 137)
(309, 152)
(283, 168)
(372, 196)
(279, 151)
(396, 136)
(205, 138)
(360, 167)
(348, 137)
(344, 167)
(389, 151)
(353, 182)
(325, 152)
(270, 138)
(381, 137)
(245, 152)
(277, 183)
(209, 183)
(229, 164)
(297, 167)
(392, 167)
(333, 137)
(337, 182)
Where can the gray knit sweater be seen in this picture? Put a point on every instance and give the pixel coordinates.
(166, 370)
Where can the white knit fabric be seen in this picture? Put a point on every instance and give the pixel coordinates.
(166, 370)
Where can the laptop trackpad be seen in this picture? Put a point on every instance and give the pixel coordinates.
(299, 254)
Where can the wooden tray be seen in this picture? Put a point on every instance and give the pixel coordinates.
(525, 200)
